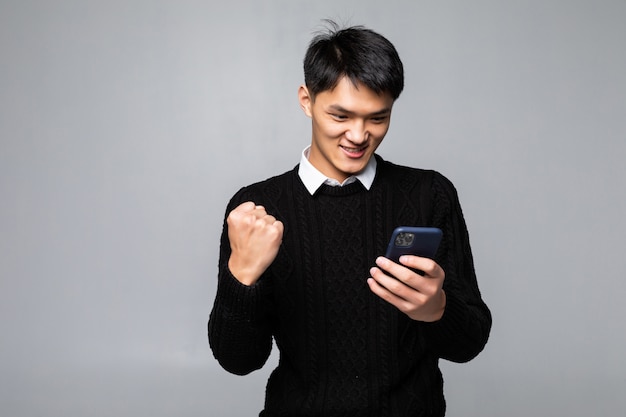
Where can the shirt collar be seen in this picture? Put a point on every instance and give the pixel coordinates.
(313, 179)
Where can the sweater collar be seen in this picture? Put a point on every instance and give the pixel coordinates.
(313, 179)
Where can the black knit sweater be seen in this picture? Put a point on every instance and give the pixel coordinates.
(343, 350)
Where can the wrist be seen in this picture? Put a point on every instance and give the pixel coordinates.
(242, 273)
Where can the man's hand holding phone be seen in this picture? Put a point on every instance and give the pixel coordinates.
(419, 295)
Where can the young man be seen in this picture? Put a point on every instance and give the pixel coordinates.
(300, 258)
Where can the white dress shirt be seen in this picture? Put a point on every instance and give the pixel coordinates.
(313, 178)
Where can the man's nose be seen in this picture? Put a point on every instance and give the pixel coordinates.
(357, 133)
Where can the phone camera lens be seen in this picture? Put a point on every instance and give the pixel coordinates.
(404, 239)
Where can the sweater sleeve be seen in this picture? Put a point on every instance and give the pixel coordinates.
(464, 329)
(239, 330)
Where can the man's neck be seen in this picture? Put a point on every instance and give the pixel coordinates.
(313, 178)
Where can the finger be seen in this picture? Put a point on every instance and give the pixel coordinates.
(392, 285)
(404, 297)
(393, 296)
(427, 284)
(245, 207)
(398, 271)
(277, 228)
(268, 219)
(254, 212)
(429, 267)
(280, 226)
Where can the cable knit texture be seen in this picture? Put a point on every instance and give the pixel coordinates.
(344, 351)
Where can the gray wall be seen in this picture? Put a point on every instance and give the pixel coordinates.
(125, 127)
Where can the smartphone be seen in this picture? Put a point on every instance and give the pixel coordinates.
(419, 241)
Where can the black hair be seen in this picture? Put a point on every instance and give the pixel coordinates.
(360, 54)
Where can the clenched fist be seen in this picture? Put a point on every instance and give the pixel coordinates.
(255, 238)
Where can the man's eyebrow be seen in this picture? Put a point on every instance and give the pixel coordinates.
(337, 107)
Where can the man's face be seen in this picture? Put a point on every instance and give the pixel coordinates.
(348, 125)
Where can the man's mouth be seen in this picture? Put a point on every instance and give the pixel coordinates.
(354, 152)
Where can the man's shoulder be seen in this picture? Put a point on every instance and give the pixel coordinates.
(407, 177)
(274, 180)
(267, 190)
(397, 171)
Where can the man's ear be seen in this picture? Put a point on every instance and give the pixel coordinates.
(305, 99)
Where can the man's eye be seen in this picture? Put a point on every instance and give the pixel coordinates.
(339, 116)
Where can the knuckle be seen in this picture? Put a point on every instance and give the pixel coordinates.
(273, 232)
(429, 267)
(232, 219)
(395, 286)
